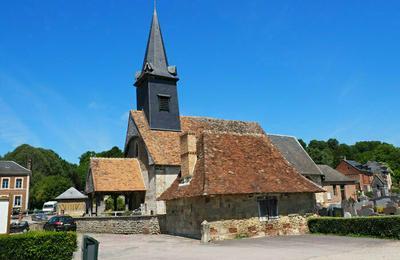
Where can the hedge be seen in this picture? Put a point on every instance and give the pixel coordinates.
(38, 245)
(382, 226)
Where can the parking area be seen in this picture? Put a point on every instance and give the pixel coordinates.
(285, 247)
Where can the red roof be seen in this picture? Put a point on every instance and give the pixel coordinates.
(233, 163)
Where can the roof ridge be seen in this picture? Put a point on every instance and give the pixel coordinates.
(113, 158)
(280, 135)
(20, 165)
(220, 119)
(212, 132)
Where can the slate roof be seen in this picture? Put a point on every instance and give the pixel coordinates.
(71, 194)
(116, 174)
(234, 163)
(379, 178)
(292, 150)
(164, 146)
(377, 167)
(359, 166)
(333, 176)
(155, 60)
(11, 168)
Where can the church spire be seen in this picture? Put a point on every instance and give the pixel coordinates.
(156, 84)
(155, 60)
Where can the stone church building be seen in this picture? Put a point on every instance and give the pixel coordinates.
(198, 168)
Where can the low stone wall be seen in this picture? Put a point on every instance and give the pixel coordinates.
(121, 225)
(36, 226)
(230, 229)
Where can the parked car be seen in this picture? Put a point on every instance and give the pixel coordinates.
(39, 216)
(17, 227)
(50, 207)
(60, 223)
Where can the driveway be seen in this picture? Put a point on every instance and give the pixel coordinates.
(285, 247)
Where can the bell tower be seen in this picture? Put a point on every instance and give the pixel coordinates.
(156, 84)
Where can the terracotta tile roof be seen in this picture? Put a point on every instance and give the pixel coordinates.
(158, 142)
(232, 163)
(115, 174)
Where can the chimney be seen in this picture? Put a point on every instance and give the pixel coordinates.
(29, 163)
(188, 154)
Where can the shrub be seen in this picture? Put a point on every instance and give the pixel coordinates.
(382, 227)
(38, 245)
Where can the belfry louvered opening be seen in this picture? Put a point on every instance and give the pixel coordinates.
(163, 103)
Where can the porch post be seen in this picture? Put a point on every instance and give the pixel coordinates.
(115, 198)
(127, 201)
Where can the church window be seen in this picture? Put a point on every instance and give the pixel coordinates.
(163, 103)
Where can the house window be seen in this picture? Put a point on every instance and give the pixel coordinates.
(5, 182)
(18, 183)
(163, 103)
(268, 208)
(17, 200)
(334, 190)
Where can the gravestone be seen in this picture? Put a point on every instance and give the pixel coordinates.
(365, 212)
(347, 215)
(390, 210)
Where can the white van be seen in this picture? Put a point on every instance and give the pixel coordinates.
(50, 207)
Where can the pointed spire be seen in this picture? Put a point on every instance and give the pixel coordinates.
(155, 60)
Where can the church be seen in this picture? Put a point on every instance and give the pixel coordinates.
(196, 169)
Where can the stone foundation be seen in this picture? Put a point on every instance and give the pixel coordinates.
(121, 225)
(253, 227)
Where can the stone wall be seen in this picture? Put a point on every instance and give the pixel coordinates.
(121, 225)
(230, 229)
(184, 216)
(164, 177)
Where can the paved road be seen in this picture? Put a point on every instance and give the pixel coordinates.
(287, 247)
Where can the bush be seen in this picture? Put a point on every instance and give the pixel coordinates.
(382, 227)
(38, 245)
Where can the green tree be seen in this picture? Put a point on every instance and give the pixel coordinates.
(301, 141)
(48, 188)
(321, 156)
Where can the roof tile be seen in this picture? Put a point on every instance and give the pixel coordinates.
(116, 174)
(232, 163)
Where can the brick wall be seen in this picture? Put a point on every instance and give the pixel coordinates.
(12, 191)
(121, 225)
(351, 172)
(336, 197)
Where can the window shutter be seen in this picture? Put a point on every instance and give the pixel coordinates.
(163, 103)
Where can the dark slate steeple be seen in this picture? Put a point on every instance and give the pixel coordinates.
(155, 59)
(156, 89)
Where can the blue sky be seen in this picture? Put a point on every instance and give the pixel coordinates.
(313, 69)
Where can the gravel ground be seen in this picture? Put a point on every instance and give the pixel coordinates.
(285, 247)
